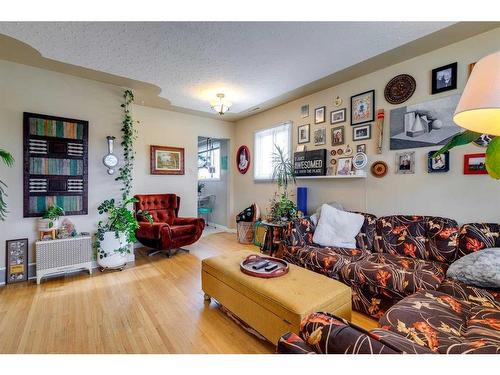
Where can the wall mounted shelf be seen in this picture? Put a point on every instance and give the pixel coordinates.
(331, 177)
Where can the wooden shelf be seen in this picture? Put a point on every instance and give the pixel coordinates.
(331, 177)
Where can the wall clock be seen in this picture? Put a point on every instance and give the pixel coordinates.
(243, 159)
(399, 89)
(110, 160)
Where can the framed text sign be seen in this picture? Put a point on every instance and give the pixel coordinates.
(310, 163)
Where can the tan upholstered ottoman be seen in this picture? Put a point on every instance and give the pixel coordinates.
(272, 306)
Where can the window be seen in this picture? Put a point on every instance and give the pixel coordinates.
(209, 161)
(264, 149)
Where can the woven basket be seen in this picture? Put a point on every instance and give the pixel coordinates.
(245, 232)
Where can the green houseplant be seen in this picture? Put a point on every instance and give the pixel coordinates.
(8, 160)
(116, 232)
(50, 218)
(282, 208)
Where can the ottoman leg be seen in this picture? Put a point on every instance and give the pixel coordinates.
(207, 298)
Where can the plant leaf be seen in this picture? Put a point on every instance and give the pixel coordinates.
(464, 138)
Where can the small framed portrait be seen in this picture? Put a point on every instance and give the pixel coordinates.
(337, 116)
(303, 135)
(438, 164)
(405, 162)
(444, 78)
(344, 166)
(475, 164)
(304, 111)
(16, 260)
(243, 159)
(338, 136)
(167, 160)
(319, 115)
(361, 148)
(319, 137)
(363, 108)
(362, 132)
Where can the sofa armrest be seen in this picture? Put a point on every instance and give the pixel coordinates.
(299, 232)
(189, 221)
(290, 343)
(150, 231)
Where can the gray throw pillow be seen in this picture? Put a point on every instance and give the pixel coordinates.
(481, 268)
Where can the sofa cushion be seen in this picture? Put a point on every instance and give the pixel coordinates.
(422, 237)
(396, 273)
(337, 228)
(478, 236)
(472, 295)
(480, 268)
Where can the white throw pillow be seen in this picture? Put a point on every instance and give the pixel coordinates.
(337, 228)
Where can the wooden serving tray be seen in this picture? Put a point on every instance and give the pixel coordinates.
(247, 266)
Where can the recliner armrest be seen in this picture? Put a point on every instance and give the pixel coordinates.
(150, 231)
(187, 221)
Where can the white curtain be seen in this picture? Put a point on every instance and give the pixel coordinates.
(264, 147)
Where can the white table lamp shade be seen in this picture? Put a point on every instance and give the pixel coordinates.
(479, 106)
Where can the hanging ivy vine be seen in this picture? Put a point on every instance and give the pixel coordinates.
(129, 135)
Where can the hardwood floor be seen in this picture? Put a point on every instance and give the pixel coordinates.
(154, 307)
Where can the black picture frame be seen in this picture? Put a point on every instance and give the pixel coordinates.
(323, 117)
(333, 113)
(299, 138)
(368, 127)
(371, 118)
(438, 87)
(445, 168)
(16, 262)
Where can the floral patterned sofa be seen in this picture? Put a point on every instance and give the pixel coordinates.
(425, 313)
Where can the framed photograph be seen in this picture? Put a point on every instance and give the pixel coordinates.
(338, 136)
(405, 162)
(361, 148)
(319, 137)
(362, 132)
(16, 260)
(363, 108)
(337, 116)
(475, 164)
(303, 134)
(319, 115)
(243, 159)
(167, 160)
(344, 166)
(304, 111)
(444, 78)
(438, 164)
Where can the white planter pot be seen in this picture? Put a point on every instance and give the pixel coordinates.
(44, 224)
(110, 246)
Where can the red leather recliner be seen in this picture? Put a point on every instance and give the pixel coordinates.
(168, 231)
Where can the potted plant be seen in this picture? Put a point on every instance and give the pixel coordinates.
(50, 218)
(116, 233)
(282, 208)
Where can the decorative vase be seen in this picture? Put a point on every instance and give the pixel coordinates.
(44, 225)
(110, 246)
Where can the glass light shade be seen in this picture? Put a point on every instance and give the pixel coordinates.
(479, 106)
(220, 105)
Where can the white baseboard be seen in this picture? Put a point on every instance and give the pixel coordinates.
(221, 227)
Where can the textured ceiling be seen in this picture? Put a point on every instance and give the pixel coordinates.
(191, 61)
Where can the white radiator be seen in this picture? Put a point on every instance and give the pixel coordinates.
(62, 256)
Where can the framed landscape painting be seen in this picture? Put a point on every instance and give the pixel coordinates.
(167, 160)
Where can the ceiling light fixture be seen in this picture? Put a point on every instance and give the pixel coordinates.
(220, 105)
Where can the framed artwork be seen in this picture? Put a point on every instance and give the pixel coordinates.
(425, 124)
(361, 148)
(444, 78)
(319, 115)
(55, 164)
(167, 160)
(16, 260)
(337, 116)
(475, 164)
(338, 136)
(303, 134)
(304, 111)
(344, 166)
(362, 132)
(243, 159)
(363, 108)
(438, 164)
(405, 162)
(319, 137)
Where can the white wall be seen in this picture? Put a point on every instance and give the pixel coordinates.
(462, 197)
(27, 89)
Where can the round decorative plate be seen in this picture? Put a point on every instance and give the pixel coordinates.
(333, 161)
(379, 169)
(400, 89)
(333, 152)
(340, 151)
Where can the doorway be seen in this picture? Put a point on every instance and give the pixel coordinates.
(213, 181)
